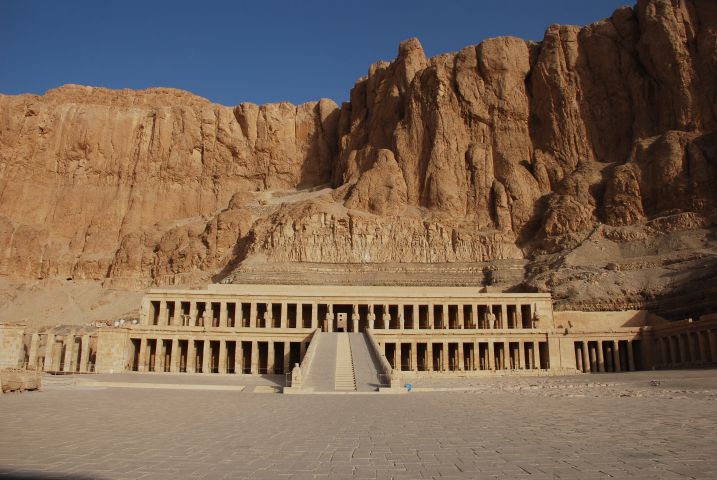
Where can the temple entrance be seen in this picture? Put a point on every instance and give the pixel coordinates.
(342, 313)
(342, 322)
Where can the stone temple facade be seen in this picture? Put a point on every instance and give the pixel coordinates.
(417, 331)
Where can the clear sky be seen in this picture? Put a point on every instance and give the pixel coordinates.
(257, 51)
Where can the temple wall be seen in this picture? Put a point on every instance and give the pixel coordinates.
(112, 350)
(606, 320)
(11, 345)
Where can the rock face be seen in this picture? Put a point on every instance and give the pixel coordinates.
(91, 177)
(604, 135)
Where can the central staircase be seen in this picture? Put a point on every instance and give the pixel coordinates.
(342, 362)
(344, 378)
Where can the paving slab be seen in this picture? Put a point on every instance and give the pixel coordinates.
(625, 426)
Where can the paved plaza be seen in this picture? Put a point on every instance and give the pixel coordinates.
(631, 425)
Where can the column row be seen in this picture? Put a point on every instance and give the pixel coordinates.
(60, 353)
(686, 349)
(592, 356)
(213, 355)
(467, 356)
(351, 317)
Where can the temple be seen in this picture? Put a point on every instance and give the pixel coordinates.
(414, 331)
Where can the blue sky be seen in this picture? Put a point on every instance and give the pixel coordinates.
(259, 51)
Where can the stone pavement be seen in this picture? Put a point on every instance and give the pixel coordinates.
(644, 425)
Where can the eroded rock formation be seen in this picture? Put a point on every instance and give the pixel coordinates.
(508, 150)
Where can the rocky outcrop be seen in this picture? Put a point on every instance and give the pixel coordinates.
(87, 171)
(505, 150)
(314, 232)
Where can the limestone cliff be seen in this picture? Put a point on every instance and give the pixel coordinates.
(596, 139)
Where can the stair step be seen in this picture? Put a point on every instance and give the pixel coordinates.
(344, 378)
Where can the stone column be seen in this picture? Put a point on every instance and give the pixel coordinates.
(431, 316)
(585, 354)
(474, 316)
(528, 362)
(519, 361)
(50, 342)
(476, 355)
(593, 359)
(687, 342)
(176, 354)
(461, 358)
(254, 357)
(287, 357)
(688, 347)
(616, 356)
(162, 313)
(284, 321)
(270, 358)
(238, 357)
(444, 354)
(223, 314)
(328, 322)
(158, 354)
(445, 318)
(252, 317)
(416, 316)
(69, 347)
(690, 341)
(491, 355)
(32, 354)
(429, 356)
(472, 358)
(461, 316)
(673, 351)
(193, 313)
(191, 356)
(600, 359)
(414, 356)
(142, 357)
(206, 357)
(354, 321)
(712, 338)
(696, 347)
(679, 348)
(518, 317)
(84, 352)
(504, 315)
(315, 316)
(175, 320)
(703, 345)
(630, 357)
(663, 350)
(222, 356)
